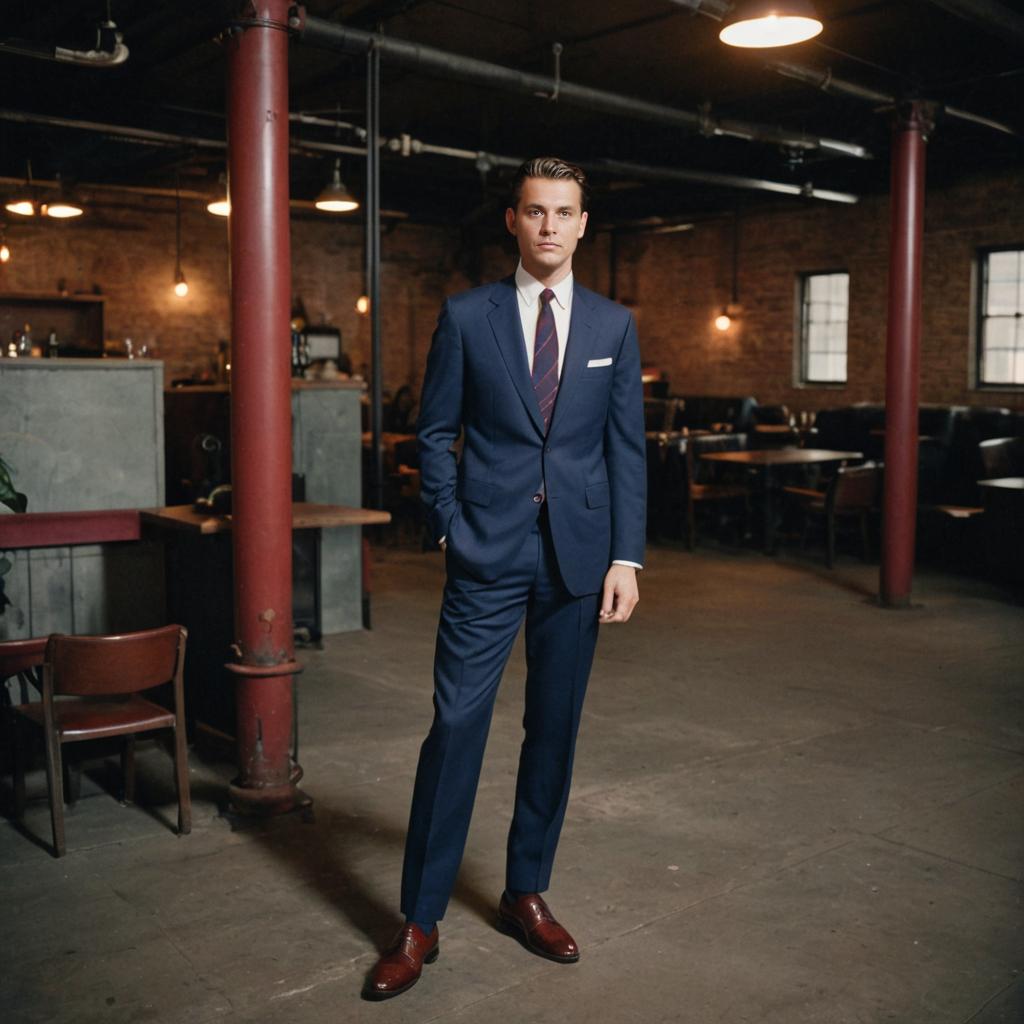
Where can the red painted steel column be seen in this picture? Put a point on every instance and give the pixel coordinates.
(261, 452)
(902, 361)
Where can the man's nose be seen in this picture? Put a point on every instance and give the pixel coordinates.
(548, 226)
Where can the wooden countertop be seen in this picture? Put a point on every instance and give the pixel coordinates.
(305, 515)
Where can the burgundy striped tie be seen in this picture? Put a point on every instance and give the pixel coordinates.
(545, 358)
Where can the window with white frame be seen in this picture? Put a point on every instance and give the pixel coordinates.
(824, 313)
(1001, 317)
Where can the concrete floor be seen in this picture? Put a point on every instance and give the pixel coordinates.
(789, 806)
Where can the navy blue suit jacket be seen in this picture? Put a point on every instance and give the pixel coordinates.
(591, 463)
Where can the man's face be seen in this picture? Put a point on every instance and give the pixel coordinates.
(548, 223)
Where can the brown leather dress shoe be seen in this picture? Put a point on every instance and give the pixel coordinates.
(530, 921)
(401, 963)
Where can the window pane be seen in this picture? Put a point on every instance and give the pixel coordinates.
(823, 330)
(1001, 332)
(1002, 298)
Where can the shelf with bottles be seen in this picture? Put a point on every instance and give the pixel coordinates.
(64, 325)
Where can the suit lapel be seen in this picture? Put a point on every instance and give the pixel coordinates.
(577, 351)
(508, 333)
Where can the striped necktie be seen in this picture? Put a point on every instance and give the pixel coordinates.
(545, 358)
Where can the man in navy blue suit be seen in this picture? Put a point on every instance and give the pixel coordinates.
(541, 519)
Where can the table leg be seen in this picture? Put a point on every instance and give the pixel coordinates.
(769, 513)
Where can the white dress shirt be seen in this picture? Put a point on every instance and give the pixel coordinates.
(528, 290)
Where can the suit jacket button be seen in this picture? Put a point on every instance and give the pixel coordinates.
(538, 498)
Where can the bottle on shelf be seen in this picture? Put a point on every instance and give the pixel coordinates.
(52, 344)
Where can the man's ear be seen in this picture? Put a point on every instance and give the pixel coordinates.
(583, 223)
(510, 220)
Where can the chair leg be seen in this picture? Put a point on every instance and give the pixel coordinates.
(18, 753)
(55, 783)
(71, 776)
(830, 541)
(691, 526)
(864, 536)
(128, 770)
(181, 782)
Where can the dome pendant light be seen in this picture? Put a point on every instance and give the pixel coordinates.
(760, 24)
(335, 198)
(24, 203)
(180, 284)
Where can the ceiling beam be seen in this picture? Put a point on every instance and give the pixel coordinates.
(989, 14)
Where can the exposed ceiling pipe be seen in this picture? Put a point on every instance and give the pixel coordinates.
(405, 145)
(827, 82)
(990, 14)
(724, 180)
(716, 9)
(108, 52)
(429, 60)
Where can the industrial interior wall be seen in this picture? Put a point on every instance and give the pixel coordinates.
(126, 251)
(675, 284)
(678, 283)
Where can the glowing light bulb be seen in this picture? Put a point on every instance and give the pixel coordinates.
(219, 207)
(5, 253)
(22, 207)
(363, 305)
(723, 322)
(181, 288)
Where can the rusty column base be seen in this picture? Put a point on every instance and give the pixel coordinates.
(267, 801)
(267, 781)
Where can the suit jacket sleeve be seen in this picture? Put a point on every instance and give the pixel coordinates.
(440, 422)
(625, 453)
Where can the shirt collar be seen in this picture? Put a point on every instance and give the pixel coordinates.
(530, 288)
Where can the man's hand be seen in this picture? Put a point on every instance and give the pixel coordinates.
(620, 594)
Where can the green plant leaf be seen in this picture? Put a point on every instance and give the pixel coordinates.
(14, 500)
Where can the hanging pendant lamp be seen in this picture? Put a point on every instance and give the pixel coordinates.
(760, 24)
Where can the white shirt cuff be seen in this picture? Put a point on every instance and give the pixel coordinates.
(620, 561)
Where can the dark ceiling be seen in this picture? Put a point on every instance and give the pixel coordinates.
(659, 51)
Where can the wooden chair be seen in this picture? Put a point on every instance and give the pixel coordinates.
(22, 662)
(99, 679)
(851, 493)
(701, 487)
(1002, 456)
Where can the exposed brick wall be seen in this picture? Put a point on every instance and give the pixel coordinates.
(675, 284)
(679, 282)
(128, 251)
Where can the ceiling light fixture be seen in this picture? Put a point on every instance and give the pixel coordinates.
(220, 205)
(760, 24)
(335, 197)
(5, 250)
(180, 284)
(65, 207)
(24, 203)
(733, 308)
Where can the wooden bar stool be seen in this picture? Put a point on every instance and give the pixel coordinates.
(99, 679)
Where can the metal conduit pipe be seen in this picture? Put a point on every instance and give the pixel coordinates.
(827, 82)
(724, 180)
(406, 146)
(429, 60)
(988, 14)
(109, 51)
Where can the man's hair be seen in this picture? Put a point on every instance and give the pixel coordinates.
(553, 169)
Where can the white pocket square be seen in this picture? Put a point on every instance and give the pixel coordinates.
(600, 362)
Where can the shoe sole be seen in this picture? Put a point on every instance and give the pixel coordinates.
(512, 927)
(376, 997)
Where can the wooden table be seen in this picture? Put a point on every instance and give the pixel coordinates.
(765, 459)
(1004, 483)
(306, 515)
(199, 572)
(1003, 498)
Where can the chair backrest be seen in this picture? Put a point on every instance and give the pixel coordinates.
(20, 656)
(1002, 456)
(95, 665)
(696, 446)
(856, 486)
